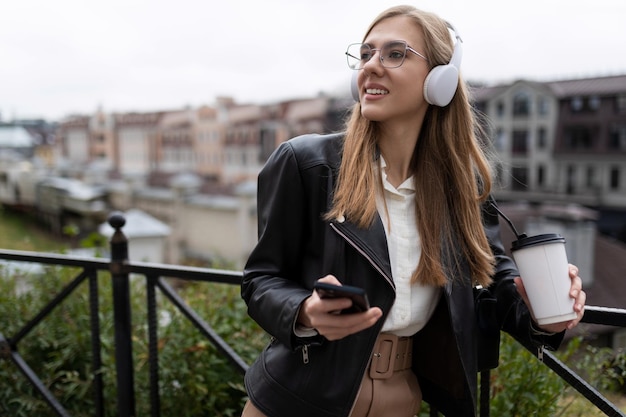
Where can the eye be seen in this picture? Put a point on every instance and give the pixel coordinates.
(395, 54)
(394, 51)
(366, 53)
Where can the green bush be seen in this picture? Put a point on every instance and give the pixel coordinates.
(521, 385)
(615, 373)
(195, 380)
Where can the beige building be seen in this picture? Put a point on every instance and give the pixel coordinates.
(210, 133)
(136, 138)
(73, 139)
(102, 138)
(176, 150)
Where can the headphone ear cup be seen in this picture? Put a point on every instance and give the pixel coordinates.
(440, 85)
(354, 86)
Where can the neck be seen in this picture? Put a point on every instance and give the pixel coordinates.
(397, 147)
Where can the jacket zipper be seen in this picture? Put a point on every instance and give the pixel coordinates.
(305, 354)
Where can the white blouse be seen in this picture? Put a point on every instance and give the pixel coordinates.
(415, 303)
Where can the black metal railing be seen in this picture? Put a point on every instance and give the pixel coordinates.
(594, 315)
(120, 269)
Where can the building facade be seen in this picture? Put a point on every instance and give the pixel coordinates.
(559, 141)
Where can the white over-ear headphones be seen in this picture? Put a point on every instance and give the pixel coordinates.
(441, 82)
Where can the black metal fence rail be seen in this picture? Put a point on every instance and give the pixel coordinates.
(121, 268)
(596, 315)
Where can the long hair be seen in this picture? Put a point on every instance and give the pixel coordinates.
(451, 173)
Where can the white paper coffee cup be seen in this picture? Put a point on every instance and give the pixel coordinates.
(543, 266)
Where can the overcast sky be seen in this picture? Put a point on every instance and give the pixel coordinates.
(59, 57)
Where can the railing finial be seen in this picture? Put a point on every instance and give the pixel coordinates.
(117, 220)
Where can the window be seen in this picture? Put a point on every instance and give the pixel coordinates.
(541, 138)
(578, 138)
(520, 142)
(500, 109)
(617, 137)
(576, 104)
(500, 140)
(585, 104)
(620, 103)
(520, 179)
(543, 106)
(571, 179)
(521, 105)
(614, 178)
(541, 175)
(590, 177)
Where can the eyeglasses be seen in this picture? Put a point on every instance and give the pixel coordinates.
(391, 55)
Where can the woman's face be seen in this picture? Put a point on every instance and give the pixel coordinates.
(394, 94)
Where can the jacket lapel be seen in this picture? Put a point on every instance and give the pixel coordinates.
(370, 242)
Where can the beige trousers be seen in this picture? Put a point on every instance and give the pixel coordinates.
(389, 387)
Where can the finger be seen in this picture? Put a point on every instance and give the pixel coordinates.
(579, 305)
(576, 287)
(519, 284)
(330, 279)
(336, 327)
(320, 307)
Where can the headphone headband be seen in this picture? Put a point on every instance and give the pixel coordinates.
(457, 53)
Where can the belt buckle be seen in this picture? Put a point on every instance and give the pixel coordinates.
(383, 359)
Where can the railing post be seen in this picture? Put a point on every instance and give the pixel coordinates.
(122, 318)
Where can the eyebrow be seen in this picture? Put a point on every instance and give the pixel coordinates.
(371, 45)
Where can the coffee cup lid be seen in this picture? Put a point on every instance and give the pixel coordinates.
(526, 241)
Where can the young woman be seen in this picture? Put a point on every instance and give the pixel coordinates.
(400, 206)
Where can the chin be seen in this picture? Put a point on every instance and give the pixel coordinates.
(373, 115)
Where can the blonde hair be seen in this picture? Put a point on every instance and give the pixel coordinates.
(451, 172)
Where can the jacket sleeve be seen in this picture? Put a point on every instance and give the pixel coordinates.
(271, 285)
(513, 315)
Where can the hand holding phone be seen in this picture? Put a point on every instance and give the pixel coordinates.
(357, 295)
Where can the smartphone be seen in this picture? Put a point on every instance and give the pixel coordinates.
(357, 295)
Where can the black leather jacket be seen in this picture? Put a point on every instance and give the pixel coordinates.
(312, 377)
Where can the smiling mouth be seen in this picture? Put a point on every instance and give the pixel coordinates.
(376, 91)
